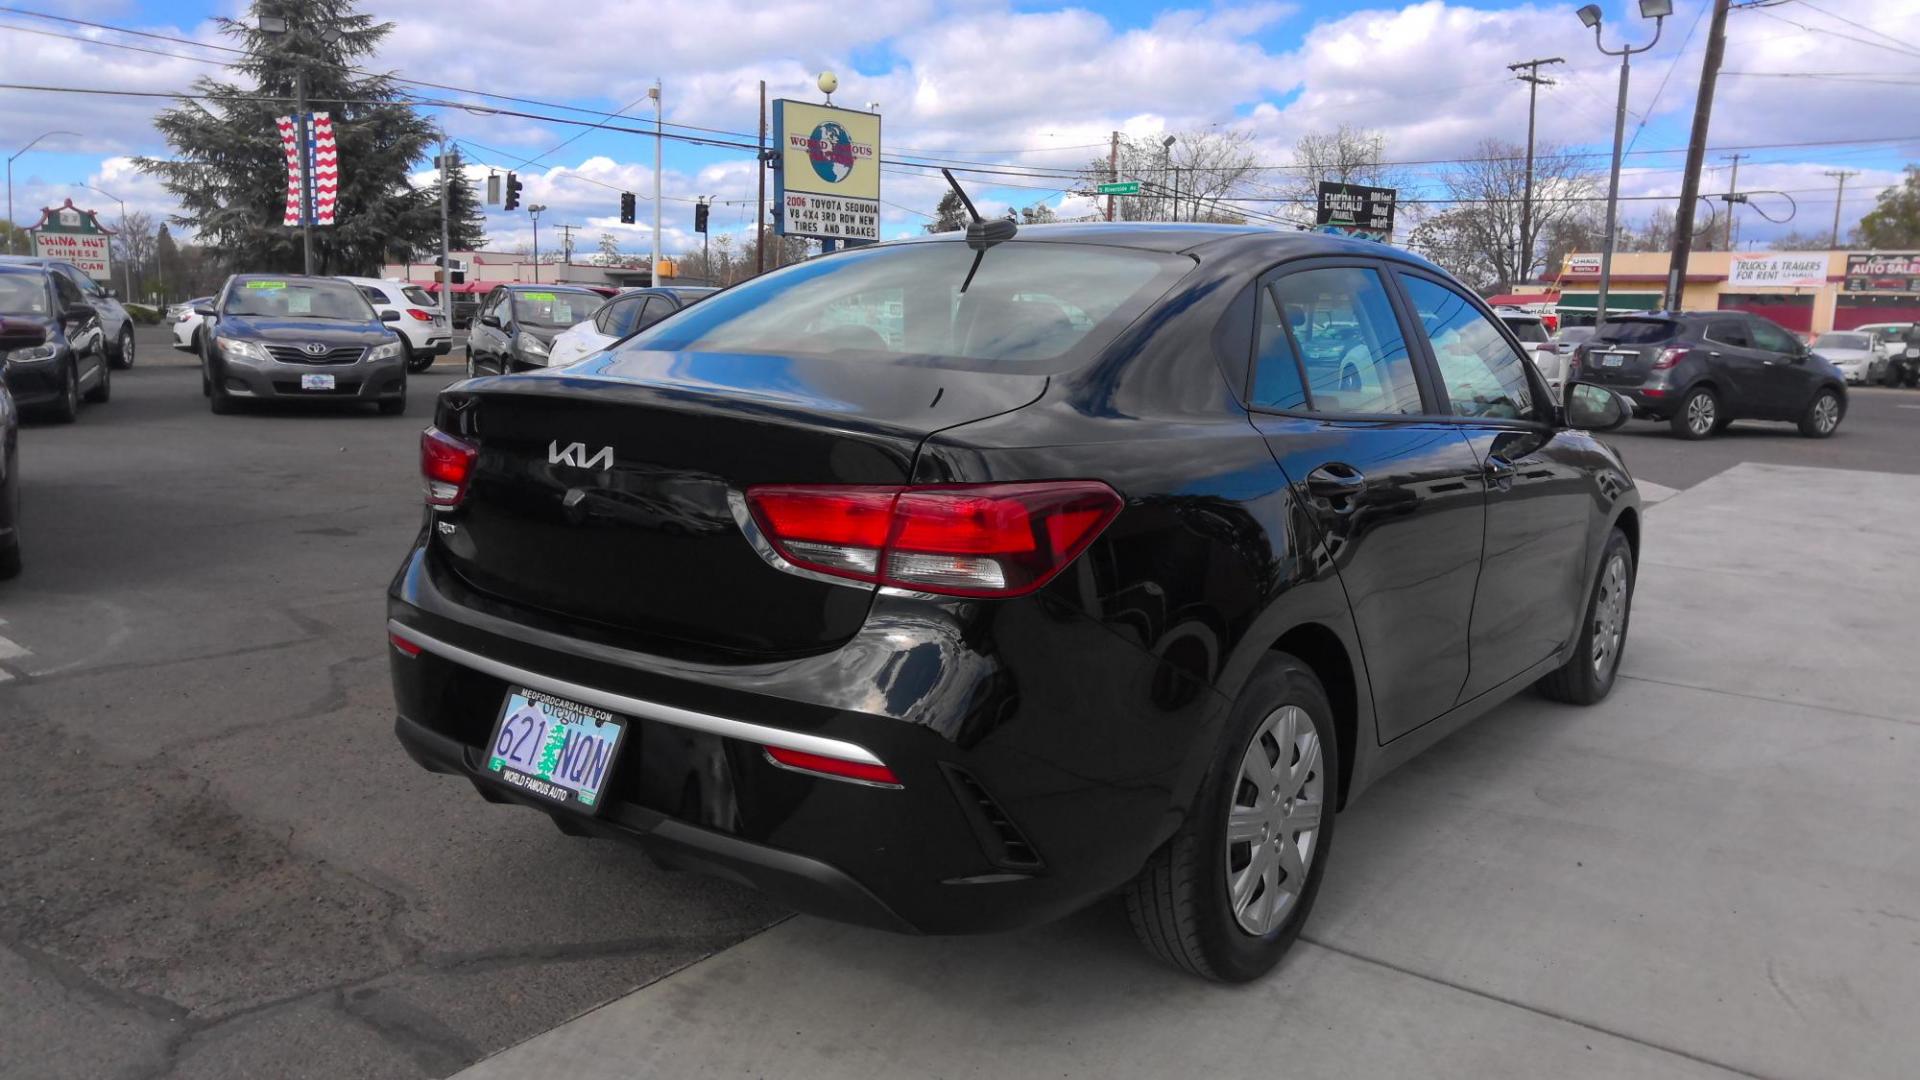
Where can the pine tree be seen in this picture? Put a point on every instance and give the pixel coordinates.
(466, 223)
(229, 171)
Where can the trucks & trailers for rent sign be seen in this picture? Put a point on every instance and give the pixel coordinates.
(827, 183)
(1778, 270)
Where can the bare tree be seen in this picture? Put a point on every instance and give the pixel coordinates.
(134, 244)
(1347, 155)
(1187, 179)
(1478, 238)
(1656, 233)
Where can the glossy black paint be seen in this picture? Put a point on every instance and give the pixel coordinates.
(71, 324)
(9, 484)
(1083, 714)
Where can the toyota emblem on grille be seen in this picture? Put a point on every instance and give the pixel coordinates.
(314, 348)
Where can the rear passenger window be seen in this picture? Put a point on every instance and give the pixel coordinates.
(1729, 332)
(373, 295)
(1348, 338)
(1277, 382)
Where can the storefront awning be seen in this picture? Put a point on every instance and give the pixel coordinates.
(1616, 301)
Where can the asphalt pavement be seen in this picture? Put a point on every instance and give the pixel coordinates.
(214, 860)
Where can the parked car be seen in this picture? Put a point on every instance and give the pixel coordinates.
(1532, 332)
(1900, 342)
(517, 324)
(1855, 353)
(424, 333)
(1700, 371)
(9, 485)
(956, 583)
(629, 312)
(186, 323)
(114, 320)
(278, 337)
(54, 342)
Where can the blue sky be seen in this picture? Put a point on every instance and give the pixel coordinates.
(1032, 85)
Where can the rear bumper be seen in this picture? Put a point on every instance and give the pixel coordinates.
(1024, 794)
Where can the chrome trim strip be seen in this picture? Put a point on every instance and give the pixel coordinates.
(737, 502)
(640, 707)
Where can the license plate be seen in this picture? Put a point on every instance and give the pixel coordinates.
(316, 382)
(557, 750)
(1612, 360)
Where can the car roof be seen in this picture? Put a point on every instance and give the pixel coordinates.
(22, 268)
(522, 286)
(1224, 240)
(285, 277)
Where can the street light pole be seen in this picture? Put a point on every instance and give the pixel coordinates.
(659, 107)
(126, 243)
(1657, 10)
(534, 213)
(11, 227)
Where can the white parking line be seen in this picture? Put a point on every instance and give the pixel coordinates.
(11, 651)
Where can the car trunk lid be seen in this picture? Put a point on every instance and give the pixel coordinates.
(606, 493)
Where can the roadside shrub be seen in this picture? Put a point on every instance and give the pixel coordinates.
(141, 313)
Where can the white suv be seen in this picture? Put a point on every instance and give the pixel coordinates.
(421, 326)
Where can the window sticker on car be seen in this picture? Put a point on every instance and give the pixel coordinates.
(266, 284)
(562, 311)
(547, 296)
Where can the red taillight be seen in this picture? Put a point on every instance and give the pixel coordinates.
(838, 768)
(447, 464)
(957, 540)
(1668, 358)
(405, 646)
(420, 315)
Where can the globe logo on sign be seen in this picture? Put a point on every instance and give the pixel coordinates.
(830, 149)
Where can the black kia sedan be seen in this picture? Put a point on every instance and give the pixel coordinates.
(1701, 370)
(957, 583)
(9, 485)
(285, 336)
(52, 342)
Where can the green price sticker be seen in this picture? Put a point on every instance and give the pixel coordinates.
(266, 284)
(538, 296)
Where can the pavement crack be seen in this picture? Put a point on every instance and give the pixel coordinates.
(70, 977)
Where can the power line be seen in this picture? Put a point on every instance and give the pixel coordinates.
(1835, 33)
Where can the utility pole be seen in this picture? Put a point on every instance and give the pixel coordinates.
(1534, 82)
(1113, 169)
(446, 270)
(1839, 196)
(1733, 186)
(566, 243)
(1696, 156)
(534, 213)
(303, 131)
(659, 107)
(760, 207)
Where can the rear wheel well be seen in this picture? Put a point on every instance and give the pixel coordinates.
(1320, 649)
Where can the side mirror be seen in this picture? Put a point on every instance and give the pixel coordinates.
(389, 316)
(204, 311)
(1596, 408)
(489, 320)
(79, 311)
(109, 293)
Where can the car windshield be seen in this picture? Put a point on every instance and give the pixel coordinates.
(417, 295)
(1637, 331)
(294, 298)
(23, 294)
(1028, 305)
(555, 310)
(1527, 328)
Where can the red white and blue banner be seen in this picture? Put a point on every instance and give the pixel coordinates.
(325, 167)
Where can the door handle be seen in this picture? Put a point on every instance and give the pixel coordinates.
(1336, 483)
(1499, 468)
(1713, 354)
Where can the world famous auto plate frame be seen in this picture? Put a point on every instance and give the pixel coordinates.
(560, 752)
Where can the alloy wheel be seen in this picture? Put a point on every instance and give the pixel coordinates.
(1273, 824)
(1826, 413)
(1700, 413)
(1610, 615)
(126, 348)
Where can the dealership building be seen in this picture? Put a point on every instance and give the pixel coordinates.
(1807, 291)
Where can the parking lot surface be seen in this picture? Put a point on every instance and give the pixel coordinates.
(218, 862)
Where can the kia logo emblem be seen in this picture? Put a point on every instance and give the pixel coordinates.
(314, 348)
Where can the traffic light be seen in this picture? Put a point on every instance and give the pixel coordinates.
(700, 217)
(626, 208)
(513, 192)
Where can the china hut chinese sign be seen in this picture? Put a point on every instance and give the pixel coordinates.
(74, 235)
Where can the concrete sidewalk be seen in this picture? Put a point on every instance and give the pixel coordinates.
(1716, 872)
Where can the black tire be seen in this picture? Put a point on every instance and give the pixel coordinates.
(1814, 423)
(393, 406)
(123, 348)
(1180, 903)
(416, 362)
(1686, 420)
(10, 548)
(67, 409)
(219, 402)
(1579, 681)
(103, 392)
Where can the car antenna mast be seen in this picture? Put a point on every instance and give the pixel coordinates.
(981, 234)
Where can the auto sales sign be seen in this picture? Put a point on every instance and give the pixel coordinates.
(826, 171)
(74, 235)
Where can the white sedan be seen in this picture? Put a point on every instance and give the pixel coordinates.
(186, 325)
(1852, 352)
(628, 313)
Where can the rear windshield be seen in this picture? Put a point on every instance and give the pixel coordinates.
(1031, 306)
(555, 310)
(1638, 331)
(1844, 341)
(1574, 333)
(417, 295)
(294, 298)
(1529, 331)
(24, 294)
